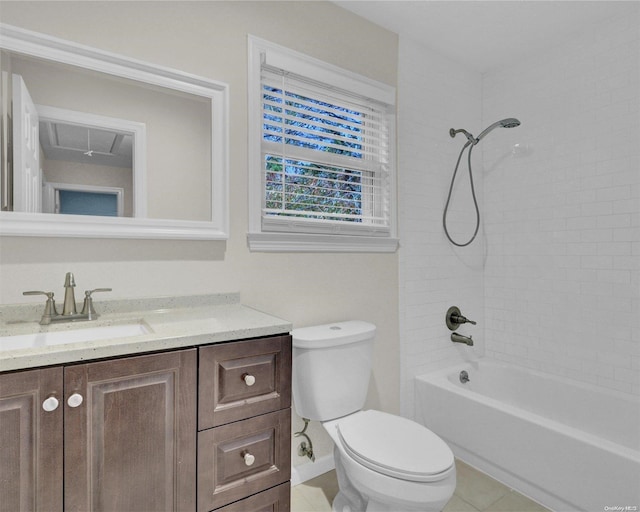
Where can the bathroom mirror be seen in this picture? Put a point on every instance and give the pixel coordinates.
(99, 145)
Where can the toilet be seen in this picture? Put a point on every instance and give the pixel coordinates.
(383, 462)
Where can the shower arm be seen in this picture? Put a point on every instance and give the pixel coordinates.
(469, 137)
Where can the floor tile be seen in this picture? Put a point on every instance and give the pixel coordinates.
(317, 494)
(457, 504)
(477, 488)
(298, 502)
(515, 502)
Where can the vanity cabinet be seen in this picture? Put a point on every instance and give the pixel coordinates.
(128, 441)
(203, 428)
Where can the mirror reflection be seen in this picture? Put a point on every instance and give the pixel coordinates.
(87, 170)
(82, 142)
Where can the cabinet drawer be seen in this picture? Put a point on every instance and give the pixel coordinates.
(243, 458)
(277, 499)
(243, 379)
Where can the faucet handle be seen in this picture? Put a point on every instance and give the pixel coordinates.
(87, 306)
(88, 293)
(455, 319)
(34, 292)
(49, 308)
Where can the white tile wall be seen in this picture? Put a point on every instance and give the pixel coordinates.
(434, 95)
(562, 217)
(554, 277)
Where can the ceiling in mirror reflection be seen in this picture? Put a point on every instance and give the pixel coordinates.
(85, 144)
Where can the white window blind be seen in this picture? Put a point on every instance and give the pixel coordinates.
(325, 157)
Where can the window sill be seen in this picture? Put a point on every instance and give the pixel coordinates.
(303, 242)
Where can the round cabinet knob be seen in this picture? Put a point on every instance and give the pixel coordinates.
(75, 400)
(249, 380)
(50, 404)
(248, 458)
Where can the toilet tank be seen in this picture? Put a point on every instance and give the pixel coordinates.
(331, 368)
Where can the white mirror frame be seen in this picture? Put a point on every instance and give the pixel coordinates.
(59, 50)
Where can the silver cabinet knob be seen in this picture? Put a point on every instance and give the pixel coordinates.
(248, 379)
(248, 458)
(50, 404)
(75, 400)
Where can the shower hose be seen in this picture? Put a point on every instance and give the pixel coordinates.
(473, 193)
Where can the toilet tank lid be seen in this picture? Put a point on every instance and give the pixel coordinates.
(331, 335)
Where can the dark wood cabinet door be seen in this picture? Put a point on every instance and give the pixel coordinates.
(243, 379)
(130, 434)
(243, 458)
(31, 440)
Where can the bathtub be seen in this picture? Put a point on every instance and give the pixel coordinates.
(570, 446)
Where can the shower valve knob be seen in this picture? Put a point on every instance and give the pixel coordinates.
(455, 318)
(462, 320)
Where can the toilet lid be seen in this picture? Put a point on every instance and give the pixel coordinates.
(394, 446)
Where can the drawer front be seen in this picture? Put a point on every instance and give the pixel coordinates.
(243, 379)
(243, 458)
(277, 499)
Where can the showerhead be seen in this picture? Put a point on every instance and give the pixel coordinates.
(510, 122)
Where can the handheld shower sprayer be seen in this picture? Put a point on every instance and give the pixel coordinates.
(510, 122)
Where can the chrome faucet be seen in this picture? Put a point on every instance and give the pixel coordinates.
(460, 338)
(69, 311)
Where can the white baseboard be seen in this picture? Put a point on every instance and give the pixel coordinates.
(309, 470)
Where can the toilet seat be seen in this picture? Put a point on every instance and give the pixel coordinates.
(395, 446)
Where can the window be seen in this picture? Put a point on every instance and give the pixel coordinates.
(74, 202)
(321, 155)
(74, 199)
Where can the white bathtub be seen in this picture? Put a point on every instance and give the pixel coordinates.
(568, 445)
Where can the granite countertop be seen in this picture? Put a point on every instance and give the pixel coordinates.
(171, 322)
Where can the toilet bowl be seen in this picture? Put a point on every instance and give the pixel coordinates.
(389, 463)
(383, 462)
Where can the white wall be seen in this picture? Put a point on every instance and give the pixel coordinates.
(435, 94)
(210, 39)
(562, 283)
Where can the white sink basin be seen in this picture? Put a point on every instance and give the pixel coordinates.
(45, 339)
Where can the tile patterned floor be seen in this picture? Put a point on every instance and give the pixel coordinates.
(475, 492)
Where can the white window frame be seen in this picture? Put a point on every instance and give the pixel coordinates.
(283, 240)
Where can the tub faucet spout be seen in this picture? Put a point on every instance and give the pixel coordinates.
(459, 338)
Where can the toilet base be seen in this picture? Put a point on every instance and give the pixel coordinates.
(342, 504)
(351, 499)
